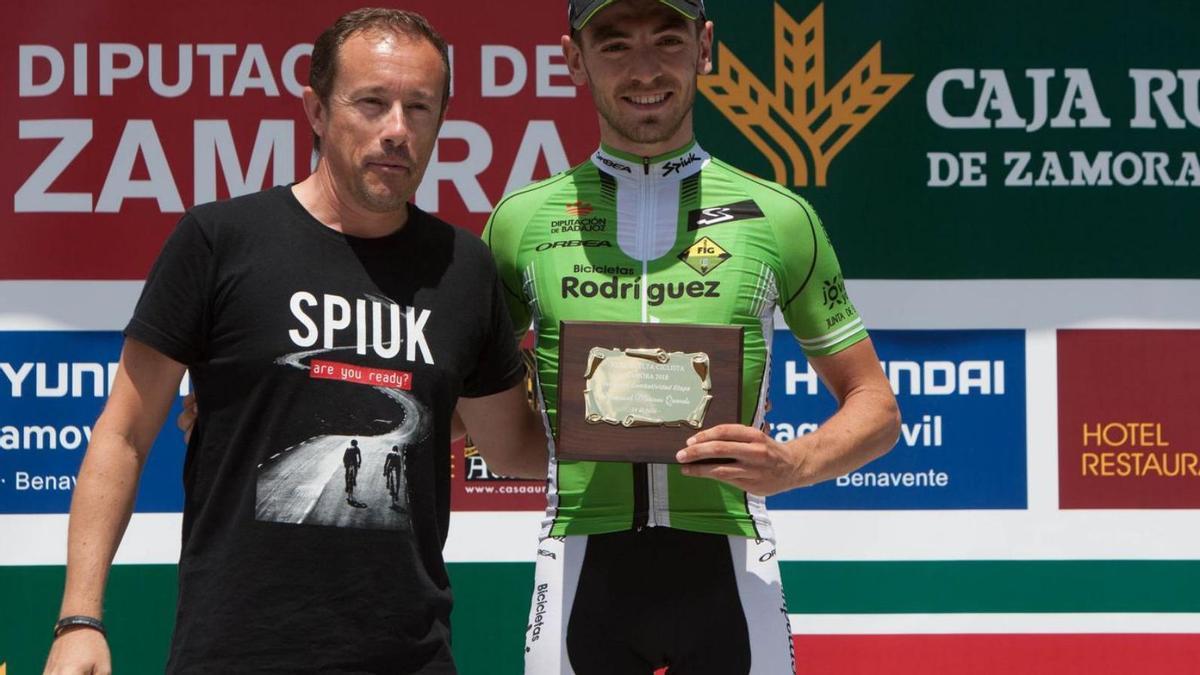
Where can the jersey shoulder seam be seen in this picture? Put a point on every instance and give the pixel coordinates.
(543, 184)
(795, 199)
(761, 182)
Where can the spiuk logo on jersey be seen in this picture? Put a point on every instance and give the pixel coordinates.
(728, 213)
(704, 256)
(675, 165)
(801, 113)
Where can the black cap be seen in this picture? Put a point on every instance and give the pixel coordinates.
(579, 12)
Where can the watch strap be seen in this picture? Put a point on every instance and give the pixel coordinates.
(78, 620)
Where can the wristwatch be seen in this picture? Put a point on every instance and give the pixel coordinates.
(78, 620)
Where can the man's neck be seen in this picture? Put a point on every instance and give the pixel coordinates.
(644, 155)
(324, 199)
(613, 141)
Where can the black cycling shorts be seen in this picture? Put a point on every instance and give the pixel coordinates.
(629, 603)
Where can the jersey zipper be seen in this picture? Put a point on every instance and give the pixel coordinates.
(641, 496)
(645, 225)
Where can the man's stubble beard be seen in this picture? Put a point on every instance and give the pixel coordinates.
(639, 132)
(376, 201)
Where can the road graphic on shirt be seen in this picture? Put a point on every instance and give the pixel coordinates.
(307, 482)
(305, 485)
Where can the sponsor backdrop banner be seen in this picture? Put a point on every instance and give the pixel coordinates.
(949, 140)
(55, 385)
(125, 115)
(1128, 431)
(950, 385)
(1014, 195)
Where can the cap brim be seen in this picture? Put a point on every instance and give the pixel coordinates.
(588, 12)
(687, 9)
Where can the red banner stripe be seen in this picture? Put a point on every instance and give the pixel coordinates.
(980, 654)
(347, 372)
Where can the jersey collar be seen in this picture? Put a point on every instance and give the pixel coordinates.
(674, 165)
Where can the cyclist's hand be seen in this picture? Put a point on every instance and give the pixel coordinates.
(748, 458)
(187, 419)
(79, 651)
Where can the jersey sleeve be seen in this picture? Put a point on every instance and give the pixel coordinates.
(812, 290)
(171, 314)
(502, 234)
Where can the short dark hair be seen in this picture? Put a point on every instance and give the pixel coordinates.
(323, 67)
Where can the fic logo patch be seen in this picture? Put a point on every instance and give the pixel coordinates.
(704, 256)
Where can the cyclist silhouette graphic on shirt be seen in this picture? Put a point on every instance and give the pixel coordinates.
(351, 459)
(393, 469)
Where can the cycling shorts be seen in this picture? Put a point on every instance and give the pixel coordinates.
(632, 602)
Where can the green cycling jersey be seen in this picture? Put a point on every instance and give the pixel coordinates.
(679, 238)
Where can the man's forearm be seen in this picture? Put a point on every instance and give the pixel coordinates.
(521, 455)
(507, 432)
(864, 428)
(458, 428)
(100, 510)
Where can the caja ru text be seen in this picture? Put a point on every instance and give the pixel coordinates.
(1171, 97)
(1071, 168)
(968, 99)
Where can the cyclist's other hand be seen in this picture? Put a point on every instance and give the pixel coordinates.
(742, 456)
(78, 651)
(187, 419)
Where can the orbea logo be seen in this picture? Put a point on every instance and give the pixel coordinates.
(821, 120)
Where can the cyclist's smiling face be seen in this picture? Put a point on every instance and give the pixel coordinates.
(640, 59)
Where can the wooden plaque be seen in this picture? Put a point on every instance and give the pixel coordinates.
(635, 392)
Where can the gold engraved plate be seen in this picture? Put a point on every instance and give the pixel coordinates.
(635, 392)
(647, 387)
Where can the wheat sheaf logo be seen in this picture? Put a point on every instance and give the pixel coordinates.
(800, 111)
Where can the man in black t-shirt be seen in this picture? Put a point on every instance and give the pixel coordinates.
(311, 316)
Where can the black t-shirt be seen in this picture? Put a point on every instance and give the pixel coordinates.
(300, 339)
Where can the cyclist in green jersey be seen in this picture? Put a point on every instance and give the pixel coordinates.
(643, 566)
